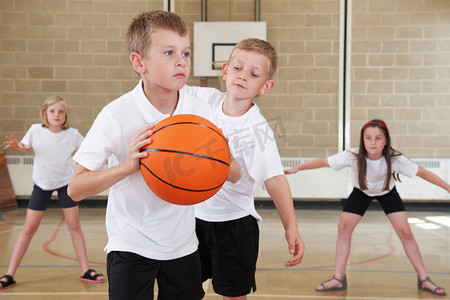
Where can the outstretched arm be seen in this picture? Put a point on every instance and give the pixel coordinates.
(85, 183)
(279, 191)
(11, 142)
(433, 178)
(309, 165)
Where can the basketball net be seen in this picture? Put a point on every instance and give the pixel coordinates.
(217, 65)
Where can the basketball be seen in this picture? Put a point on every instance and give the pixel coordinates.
(188, 160)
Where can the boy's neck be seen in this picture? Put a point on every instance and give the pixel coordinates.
(236, 107)
(165, 101)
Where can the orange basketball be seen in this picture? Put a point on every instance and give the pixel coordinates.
(188, 160)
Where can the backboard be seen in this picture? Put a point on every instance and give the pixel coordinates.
(213, 42)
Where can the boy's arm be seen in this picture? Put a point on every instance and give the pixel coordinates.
(280, 192)
(309, 165)
(202, 93)
(433, 178)
(208, 94)
(235, 171)
(85, 183)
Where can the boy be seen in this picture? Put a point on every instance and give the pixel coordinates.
(148, 238)
(227, 226)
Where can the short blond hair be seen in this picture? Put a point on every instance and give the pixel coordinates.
(260, 47)
(49, 101)
(142, 27)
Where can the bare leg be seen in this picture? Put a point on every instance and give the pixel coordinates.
(235, 298)
(399, 221)
(346, 226)
(71, 216)
(32, 220)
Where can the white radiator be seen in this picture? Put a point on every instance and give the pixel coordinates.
(20, 169)
(325, 183)
(321, 183)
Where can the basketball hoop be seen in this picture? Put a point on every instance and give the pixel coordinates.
(217, 65)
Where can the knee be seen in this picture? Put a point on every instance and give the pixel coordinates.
(344, 228)
(73, 226)
(405, 233)
(30, 230)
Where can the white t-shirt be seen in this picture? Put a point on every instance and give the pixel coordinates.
(137, 220)
(52, 168)
(376, 169)
(252, 143)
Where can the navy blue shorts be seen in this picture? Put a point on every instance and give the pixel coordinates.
(358, 202)
(40, 198)
(228, 252)
(131, 276)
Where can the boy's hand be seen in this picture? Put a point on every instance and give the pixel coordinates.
(296, 247)
(135, 155)
(85, 183)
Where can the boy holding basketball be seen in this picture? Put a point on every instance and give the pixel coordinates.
(148, 238)
(227, 226)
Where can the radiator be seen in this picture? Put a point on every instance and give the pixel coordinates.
(20, 169)
(325, 183)
(317, 184)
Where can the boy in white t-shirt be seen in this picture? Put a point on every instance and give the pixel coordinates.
(148, 238)
(227, 226)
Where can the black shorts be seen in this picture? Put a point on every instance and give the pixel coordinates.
(40, 198)
(228, 252)
(131, 276)
(358, 202)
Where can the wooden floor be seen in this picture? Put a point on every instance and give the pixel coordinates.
(378, 267)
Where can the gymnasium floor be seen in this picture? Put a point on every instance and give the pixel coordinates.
(378, 267)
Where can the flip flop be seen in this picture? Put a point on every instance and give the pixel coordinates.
(421, 280)
(7, 284)
(91, 278)
(342, 280)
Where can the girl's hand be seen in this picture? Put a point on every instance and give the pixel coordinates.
(291, 171)
(135, 155)
(13, 143)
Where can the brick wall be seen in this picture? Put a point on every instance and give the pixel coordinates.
(400, 65)
(401, 72)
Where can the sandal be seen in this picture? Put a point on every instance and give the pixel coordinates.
(92, 278)
(7, 284)
(342, 280)
(421, 280)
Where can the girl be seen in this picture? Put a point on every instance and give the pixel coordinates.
(375, 164)
(53, 143)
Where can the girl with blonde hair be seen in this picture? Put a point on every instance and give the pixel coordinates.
(53, 142)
